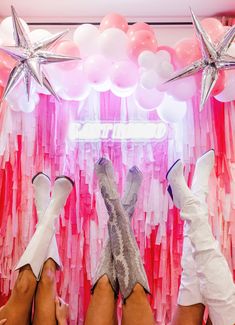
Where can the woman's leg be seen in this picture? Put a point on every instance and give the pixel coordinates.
(103, 304)
(18, 308)
(190, 315)
(31, 262)
(216, 283)
(190, 309)
(105, 276)
(128, 264)
(44, 310)
(137, 310)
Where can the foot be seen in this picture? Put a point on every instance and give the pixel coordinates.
(105, 174)
(42, 187)
(63, 185)
(178, 187)
(203, 168)
(131, 188)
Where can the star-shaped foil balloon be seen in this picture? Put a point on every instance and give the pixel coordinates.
(214, 58)
(30, 57)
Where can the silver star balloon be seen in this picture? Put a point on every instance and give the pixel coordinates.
(30, 57)
(214, 58)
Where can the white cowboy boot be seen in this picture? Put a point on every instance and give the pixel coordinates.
(216, 282)
(127, 260)
(203, 168)
(42, 188)
(106, 263)
(37, 249)
(189, 290)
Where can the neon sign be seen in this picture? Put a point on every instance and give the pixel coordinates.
(136, 131)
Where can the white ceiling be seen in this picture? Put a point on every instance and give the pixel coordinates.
(93, 10)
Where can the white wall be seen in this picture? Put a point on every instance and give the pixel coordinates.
(166, 35)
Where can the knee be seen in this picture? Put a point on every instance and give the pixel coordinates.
(24, 284)
(103, 284)
(48, 277)
(139, 290)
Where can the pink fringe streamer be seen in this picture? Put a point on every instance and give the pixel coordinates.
(38, 142)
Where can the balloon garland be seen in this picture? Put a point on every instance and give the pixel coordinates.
(125, 59)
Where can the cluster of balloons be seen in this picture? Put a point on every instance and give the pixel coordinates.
(188, 51)
(125, 59)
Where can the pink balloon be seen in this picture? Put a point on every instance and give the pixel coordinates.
(114, 20)
(148, 99)
(214, 28)
(124, 74)
(187, 51)
(96, 68)
(228, 93)
(4, 74)
(68, 48)
(219, 85)
(7, 60)
(226, 29)
(140, 41)
(139, 26)
(69, 84)
(1, 92)
(182, 89)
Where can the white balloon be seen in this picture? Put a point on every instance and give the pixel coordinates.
(18, 99)
(86, 36)
(105, 86)
(70, 84)
(28, 106)
(147, 59)
(164, 69)
(163, 56)
(6, 28)
(1, 38)
(113, 44)
(38, 35)
(170, 110)
(149, 79)
(231, 50)
(148, 99)
(228, 94)
(123, 93)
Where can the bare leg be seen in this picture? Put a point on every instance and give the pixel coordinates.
(18, 308)
(190, 315)
(103, 304)
(137, 310)
(45, 296)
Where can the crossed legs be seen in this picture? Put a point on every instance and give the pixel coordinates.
(32, 263)
(130, 274)
(214, 277)
(18, 308)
